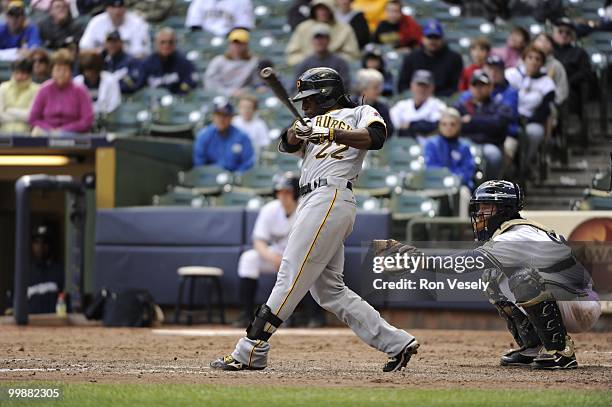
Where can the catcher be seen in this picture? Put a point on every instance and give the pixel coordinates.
(535, 282)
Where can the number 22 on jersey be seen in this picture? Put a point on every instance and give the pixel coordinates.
(330, 150)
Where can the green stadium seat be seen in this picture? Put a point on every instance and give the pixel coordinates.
(243, 199)
(597, 203)
(180, 196)
(258, 180)
(288, 162)
(367, 202)
(376, 182)
(128, 118)
(207, 179)
(408, 205)
(433, 179)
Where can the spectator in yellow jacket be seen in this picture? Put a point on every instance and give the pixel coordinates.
(16, 97)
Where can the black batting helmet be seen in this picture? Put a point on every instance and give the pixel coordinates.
(288, 181)
(326, 84)
(507, 200)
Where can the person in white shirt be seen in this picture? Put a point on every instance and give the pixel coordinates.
(220, 16)
(270, 236)
(103, 86)
(418, 116)
(250, 123)
(133, 29)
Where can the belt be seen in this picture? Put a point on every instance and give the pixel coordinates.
(323, 182)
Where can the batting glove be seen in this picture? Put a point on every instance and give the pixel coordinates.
(313, 134)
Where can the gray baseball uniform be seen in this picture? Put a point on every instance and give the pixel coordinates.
(314, 257)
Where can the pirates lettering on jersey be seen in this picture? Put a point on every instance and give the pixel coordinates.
(331, 123)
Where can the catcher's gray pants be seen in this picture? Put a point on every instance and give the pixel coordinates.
(314, 260)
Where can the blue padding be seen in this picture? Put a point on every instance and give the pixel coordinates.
(250, 217)
(369, 226)
(154, 268)
(170, 226)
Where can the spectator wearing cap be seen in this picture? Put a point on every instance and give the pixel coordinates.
(398, 29)
(134, 30)
(61, 106)
(447, 150)
(419, 115)
(322, 57)
(17, 33)
(355, 18)
(373, 59)
(103, 86)
(479, 50)
(575, 60)
(342, 42)
(166, 67)
(502, 93)
(369, 88)
(123, 66)
(16, 97)
(220, 16)
(434, 56)
(222, 144)
(59, 26)
(515, 44)
(536, 95)
(46, 279)
(250, 123)
(41, 65)
(485, 122)
(227, 74)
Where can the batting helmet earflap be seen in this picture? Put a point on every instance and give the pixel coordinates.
(326, 84)
(289, 181)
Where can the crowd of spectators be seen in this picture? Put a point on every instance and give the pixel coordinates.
(74, 61)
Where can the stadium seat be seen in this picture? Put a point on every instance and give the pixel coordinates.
(367, 202)
(288, 162)
(128, 118)
(237, 198)
(376, 182)
(408, 205)
(433, 181)
(207, 179)
(258, 180)
(180, 196)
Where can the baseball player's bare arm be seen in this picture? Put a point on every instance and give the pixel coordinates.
(265, 252)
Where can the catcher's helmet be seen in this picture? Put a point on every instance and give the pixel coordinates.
(326, 84)
(288, 181)
(506, 199)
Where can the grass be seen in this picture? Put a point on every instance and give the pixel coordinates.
(115, 395)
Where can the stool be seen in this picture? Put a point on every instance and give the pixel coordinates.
(192, 274)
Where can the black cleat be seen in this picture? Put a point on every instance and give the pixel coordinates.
(228, 363)
(521, 357)
(557, 359)
(399, 361)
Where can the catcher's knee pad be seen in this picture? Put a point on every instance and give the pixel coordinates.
(541, 308)
(518, 323)
(264, 315)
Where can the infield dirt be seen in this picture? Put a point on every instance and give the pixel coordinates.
(324, 357)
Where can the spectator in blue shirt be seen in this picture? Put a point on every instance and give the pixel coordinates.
(223, 144)
(506, 94)
(121, 64)
(447, 150)
(17, 33)
(485, 122)
(167, 67)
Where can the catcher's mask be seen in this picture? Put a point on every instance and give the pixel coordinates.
(493, 203)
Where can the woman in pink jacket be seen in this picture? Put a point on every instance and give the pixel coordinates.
(61, 106)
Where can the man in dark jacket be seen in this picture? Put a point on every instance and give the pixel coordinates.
(167, 67)
(59, 27)
(124, 66)
(435, 56)
(575, 60)
(485, 122)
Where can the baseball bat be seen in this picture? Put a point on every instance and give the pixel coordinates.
(269, 77)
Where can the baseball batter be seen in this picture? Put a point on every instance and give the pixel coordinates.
(333, 143)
